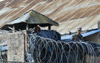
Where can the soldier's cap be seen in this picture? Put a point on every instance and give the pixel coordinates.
(79, 29)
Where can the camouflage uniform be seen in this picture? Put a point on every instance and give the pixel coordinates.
(77, 37)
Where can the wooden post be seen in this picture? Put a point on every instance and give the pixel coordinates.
(49, 27)
(16, 47)
(13, 28)
(27, 27)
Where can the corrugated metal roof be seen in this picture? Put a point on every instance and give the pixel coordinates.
(32, 17)
(70, 14)
(83, 34)
(72, 25)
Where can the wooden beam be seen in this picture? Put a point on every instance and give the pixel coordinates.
(49, 27)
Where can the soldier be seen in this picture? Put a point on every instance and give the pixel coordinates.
(78, 36)
(37, 29)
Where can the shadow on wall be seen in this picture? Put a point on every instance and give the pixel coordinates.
(93, 38)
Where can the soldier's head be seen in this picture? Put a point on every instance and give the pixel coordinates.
(37, 29)
(79, 30)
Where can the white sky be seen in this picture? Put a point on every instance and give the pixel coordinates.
(1, 0)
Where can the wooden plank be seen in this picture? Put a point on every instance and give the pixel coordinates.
(25, 38)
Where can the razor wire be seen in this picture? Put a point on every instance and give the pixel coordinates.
(45, 50)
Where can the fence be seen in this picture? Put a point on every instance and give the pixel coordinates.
(47, 50)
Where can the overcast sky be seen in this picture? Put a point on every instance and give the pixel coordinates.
(1, 0)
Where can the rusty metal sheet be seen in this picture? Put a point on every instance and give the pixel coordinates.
(32, 17)
(86, 24)
(62, 11)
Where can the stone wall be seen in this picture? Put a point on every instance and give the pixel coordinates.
(16, 47)
(3, 38)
